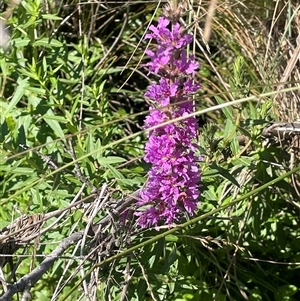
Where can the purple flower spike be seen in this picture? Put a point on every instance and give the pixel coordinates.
(172, 188)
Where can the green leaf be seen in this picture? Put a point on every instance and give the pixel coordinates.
(55, 126)
(20, 42)
(10, 121)
(225, 174)
(22, 85)
(39, 91)
(51, 17)
(228, 112)
(229, 130)
(244, 131)
(110, 160)
(141, 289)
(47, 42)
(29, 73)
(4, 67)
(210, 173)
(115, 172)
(53, 117)
(234, 145)
(171, 258)
(171, 238)
(243, 161)
(18, 170)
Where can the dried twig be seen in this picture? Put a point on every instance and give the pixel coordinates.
(282, 129)
(25, 283)
(29, 280)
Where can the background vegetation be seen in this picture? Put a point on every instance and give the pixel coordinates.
(71, 141)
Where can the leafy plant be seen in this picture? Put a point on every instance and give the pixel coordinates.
(72, 108)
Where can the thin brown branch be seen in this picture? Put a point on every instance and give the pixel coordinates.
(30, 279)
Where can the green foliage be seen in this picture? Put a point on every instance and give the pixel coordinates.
(71, 103)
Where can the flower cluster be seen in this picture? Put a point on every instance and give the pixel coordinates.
(172, 187)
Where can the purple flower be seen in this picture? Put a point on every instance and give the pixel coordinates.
(158, 60)
(186, 65)
(169, 39)
(162, 92)
(173, 181)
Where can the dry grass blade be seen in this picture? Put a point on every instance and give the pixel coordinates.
(209, 20)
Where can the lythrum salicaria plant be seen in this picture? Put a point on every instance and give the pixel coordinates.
(172, 187)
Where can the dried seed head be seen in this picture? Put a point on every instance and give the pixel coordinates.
(173, 11)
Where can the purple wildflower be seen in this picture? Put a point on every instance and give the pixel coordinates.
(173, 181)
